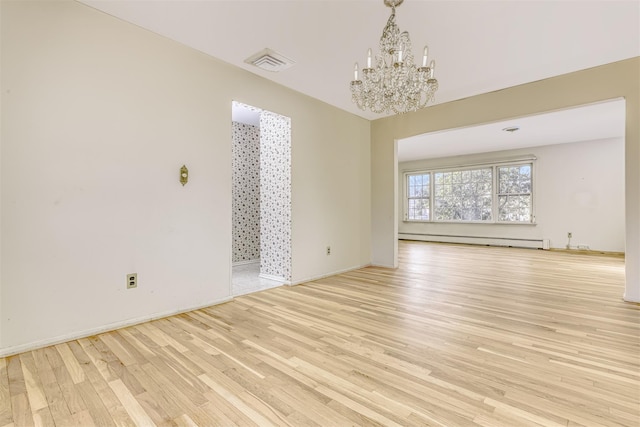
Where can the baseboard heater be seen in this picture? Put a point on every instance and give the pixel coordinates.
(478, 240)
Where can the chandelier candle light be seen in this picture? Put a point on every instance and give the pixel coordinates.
(394, 83)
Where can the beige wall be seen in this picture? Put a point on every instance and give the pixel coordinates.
(98, 115)
(578, 188)
(619, 79)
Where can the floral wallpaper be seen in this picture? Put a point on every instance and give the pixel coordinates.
(246, 192)
(275, 195)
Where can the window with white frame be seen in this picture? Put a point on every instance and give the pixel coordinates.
(418, 200)
(498, 193)
(463, 195)
(514, 193)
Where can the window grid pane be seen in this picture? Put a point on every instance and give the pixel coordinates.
(418, 197)
(514, 193)
(463, 195)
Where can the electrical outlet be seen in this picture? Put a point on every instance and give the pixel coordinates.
(569, 234)
(328, 250)
(132, 280)
(583, 247)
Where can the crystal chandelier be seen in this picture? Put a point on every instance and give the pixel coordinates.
(394, 83)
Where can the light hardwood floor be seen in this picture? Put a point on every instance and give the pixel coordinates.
(458, 335)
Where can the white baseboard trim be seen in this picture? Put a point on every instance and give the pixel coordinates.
(384, 266)
(322, 276)
(10, 351)
(250, 261)
(274, 278)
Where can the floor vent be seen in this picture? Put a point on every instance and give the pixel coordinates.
(270, 60)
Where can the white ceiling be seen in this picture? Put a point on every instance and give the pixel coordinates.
(586, 123)
(479, 46)
(246, 114)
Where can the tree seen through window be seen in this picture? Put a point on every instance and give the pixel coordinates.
(498, 193)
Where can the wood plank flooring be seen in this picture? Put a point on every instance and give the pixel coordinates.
(457, 336)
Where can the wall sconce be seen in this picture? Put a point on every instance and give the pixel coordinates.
(184, 175)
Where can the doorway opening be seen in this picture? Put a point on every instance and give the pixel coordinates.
(565, 146)
(261, 192)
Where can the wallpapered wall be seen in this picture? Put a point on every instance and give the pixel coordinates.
(275, 195)
(246, 192)
(261, 161)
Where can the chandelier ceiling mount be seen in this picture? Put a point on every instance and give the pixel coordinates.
(392, 3)
(391, 82)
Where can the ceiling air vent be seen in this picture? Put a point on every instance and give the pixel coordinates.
(270, 60)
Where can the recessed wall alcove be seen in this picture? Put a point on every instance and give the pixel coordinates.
(261, 167)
